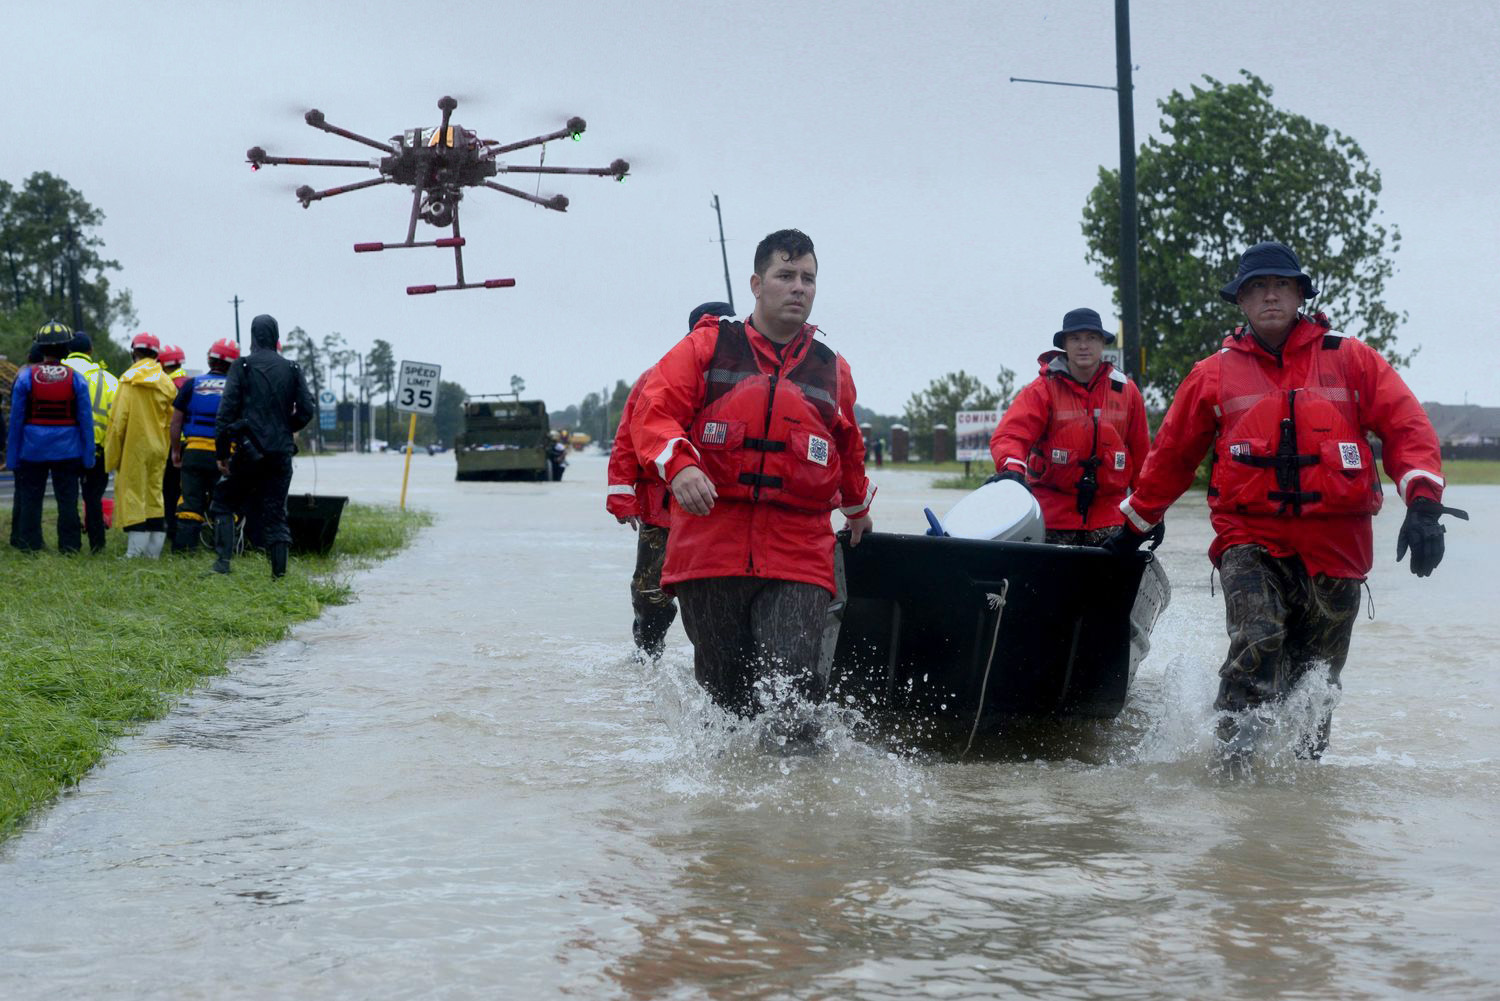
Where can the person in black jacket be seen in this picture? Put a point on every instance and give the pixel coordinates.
(265, 402)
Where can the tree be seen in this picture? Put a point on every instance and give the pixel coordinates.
(380, 364)
(49, 258)
(945, 396)
(1232, 170)
(305, 353)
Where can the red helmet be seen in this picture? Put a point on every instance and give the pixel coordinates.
(145, 342)
(224, 350)
(170, 354)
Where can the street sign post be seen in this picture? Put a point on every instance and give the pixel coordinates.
(328, 410)
(416, 393)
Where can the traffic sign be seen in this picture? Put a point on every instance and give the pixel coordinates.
(417, 387)
(328, 410)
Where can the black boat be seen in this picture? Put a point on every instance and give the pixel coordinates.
(983, 632)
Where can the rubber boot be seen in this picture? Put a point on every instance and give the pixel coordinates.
(277, 552)
(223, 543)
(186, 540)
(154, 543)
(136, 543)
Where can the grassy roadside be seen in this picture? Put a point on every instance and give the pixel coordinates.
(1458, 472)
(96, 645)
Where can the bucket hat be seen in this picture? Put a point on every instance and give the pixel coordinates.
(1081, 319)
(1269, 258)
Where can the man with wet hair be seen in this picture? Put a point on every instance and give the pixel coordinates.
(751, 425)
(636, 497)
(264, 403)
(1286, 405)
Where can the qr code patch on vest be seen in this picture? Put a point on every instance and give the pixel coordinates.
(1120, 461)
(714, 433)
(817, 450)
(1349, 455)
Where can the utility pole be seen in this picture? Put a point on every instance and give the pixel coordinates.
(724, 251)
(236, 300)
(1130, 307)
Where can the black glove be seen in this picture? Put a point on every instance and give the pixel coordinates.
(1009, 474)
(1422, 534)
(1127, 540)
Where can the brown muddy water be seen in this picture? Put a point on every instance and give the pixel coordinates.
(462, 786)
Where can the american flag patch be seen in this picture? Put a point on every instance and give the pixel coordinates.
(817, 450)
(1349, 455)
(1059, 455)
(714, 433)
(1240, 448)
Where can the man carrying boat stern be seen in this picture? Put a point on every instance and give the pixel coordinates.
(751, 425)
(1076, 435)
(1286, 405)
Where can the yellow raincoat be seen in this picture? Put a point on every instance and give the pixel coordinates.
(135, 447)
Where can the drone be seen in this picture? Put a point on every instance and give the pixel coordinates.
(438, 163)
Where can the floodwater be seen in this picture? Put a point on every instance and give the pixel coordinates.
(462, 786)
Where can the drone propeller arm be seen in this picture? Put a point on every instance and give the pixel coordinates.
(556, 202)
(533, 141)
(617, 169)
(316, 120)
(307, 195)
(310, 161)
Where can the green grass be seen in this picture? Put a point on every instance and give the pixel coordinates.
(1472, 472)
(96, 645)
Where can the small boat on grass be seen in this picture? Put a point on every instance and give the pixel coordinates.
(982, 631)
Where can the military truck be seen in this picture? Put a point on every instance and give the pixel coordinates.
(504, 438)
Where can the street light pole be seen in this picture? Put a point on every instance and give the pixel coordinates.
(724, 252)
(1131, 357)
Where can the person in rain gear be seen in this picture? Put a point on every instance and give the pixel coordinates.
(50, 433)
(1076, 435)
(265, 402)
(194, 413)
(638, 498)
(1285, 406)
(135, 448)
(751, 426)
(170, 358)
(102, 389)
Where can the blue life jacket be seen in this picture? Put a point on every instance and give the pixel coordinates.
(203, 405)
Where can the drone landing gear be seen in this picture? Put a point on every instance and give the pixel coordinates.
(457, 243)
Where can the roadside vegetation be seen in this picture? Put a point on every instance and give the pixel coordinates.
(97, 645)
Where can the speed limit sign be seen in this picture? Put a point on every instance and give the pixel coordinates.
(417, 387)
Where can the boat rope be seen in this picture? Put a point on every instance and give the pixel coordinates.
(997, 605)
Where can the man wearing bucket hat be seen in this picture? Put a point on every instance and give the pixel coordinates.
(1076, 436)
(1286, 405)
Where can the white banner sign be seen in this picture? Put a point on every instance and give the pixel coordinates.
(972, 434)
(417, 387)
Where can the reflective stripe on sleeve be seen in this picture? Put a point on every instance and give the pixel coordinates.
(1135, 519)
(1406, 480)
(1016, 462)
(621, 488)
(862, 507)
(665, 458)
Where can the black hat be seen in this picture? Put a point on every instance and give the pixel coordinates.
(1269, 258)
(709, 309)
(82, 343)
(1081, 319)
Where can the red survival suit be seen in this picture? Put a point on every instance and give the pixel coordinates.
(1293, 471)
(634, 489)
(775, 433)
(1058, 431)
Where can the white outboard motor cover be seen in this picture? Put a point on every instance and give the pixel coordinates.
(1003, 511)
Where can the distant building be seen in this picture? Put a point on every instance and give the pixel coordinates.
(1467, 431)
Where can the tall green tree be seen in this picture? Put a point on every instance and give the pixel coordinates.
(945, 396)
(1230, 170)
(48, 247)
(381, 364)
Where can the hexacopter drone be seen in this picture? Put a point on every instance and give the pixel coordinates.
(438, 163)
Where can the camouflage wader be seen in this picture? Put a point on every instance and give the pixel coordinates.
(1282, 623)
(1079, 536)
(654, 608)
(747, 628)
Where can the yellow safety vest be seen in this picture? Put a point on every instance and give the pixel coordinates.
(102, 389)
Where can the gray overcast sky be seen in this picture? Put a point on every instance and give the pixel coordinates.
(945, 202)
